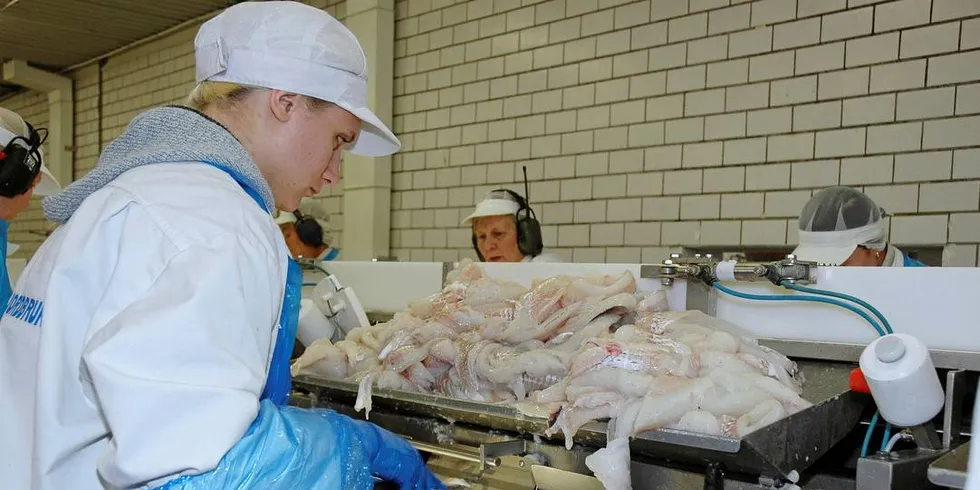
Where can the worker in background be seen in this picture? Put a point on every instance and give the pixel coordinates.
(505, 229)
(152, 347)
(843, 226)
(22, 174)
(305, 236)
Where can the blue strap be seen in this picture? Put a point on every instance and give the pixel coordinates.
(6, 290)
(331, 255)
(278, 382)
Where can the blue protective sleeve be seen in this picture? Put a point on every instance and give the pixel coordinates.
(292, 448)
(910, 262)
(6, 291)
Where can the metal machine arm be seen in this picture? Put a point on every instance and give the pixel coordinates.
(709, 271)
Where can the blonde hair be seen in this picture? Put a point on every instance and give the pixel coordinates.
(208, 93)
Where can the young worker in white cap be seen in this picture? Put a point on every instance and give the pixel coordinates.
(506, 230)
(22, 175)
(843, 226)
(152, 345)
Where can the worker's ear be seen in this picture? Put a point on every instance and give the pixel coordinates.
(282, 104)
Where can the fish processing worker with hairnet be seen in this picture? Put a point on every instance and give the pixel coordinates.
(157, 352)
(843, 226)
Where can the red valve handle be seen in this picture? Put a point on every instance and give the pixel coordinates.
(857, 381)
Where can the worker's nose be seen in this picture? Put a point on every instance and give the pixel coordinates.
(332, 174)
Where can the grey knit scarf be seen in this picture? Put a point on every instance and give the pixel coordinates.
(169, 134)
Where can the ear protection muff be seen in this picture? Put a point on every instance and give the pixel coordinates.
(529, 240)
(20, 160)
(309, 231)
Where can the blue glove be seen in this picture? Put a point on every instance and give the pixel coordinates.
(291, 448)
(394, 459)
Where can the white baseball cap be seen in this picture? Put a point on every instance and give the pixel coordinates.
(497, 203)
(11, 126)
(296, 48)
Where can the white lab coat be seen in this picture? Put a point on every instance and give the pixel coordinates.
(160, 298)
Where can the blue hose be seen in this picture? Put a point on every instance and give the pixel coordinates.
(887, 436)
(321, 269)
(867, 435)
(812, 299)
(818, 299)
(874, 311)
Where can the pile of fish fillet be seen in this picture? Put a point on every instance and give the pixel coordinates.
(574, 349)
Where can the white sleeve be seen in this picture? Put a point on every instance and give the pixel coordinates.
(546, 258)
(177, 374)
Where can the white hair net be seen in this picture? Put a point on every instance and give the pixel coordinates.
(847, 212)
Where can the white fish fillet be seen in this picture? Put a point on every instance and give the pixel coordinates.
(577, 349)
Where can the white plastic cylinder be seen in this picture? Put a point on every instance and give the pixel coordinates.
(725, 271)
(313, 324)
(902, 379)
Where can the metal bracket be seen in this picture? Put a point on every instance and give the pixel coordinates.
(437, 450)
(496, 450)
(953, 414)
(489, 456)
(926, 436)
(547, 478)
(703, 269)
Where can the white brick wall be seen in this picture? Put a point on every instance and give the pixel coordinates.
(644, 125)
(662, 123)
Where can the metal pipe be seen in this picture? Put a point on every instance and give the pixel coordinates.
(449, 453)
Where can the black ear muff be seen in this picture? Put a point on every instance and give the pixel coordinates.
(20, 162)
(309, 231)
(529, 239)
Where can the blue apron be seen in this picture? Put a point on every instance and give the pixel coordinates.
(278, 381)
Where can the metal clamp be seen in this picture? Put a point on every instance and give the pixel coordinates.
(489, 455)
(703, 269)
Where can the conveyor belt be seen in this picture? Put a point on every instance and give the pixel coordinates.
(789, 445)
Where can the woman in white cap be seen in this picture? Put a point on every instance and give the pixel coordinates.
(843, 226)
(152, 345)
(22, 175)
(305, 236)
(506, 230)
